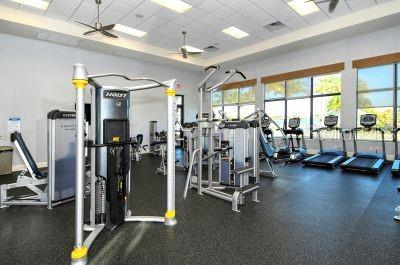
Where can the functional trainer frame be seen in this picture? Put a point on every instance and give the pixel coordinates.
(80, 80)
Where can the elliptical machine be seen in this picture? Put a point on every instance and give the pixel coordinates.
(298, 151)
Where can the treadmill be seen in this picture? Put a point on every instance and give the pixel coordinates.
(328, 158)
(396, 161)
(367, 162)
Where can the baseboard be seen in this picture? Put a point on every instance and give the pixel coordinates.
(23, 167)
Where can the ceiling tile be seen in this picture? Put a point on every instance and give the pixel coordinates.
(195, 13)
(130, 22)
(209, 5)
(167, 14)
(341, 9)
(357, 5)
(182, 20)
(156, 20)
(223, 12)
(316, 17)
(85, 13)
(61, 9)
(238, 5)
(119, 7)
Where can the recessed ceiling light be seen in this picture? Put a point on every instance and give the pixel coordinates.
(139, 15)
(129, 30)
(175, 5)
(33, 3)
(303, 7)
(192, 49)
(235, 32)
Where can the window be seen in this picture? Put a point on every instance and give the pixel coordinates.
(375, 94)
(236, 103)
(276, 110)
(309, 98)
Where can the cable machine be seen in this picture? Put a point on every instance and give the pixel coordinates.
(110, 157)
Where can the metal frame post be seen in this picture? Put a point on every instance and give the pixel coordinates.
(80, 80)
(170, 213)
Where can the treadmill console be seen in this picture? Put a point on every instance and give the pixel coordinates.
(368, 120)
(331, 121)
(294, 123)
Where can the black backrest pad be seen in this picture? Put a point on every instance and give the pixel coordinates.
(16, 136)
(139, 139)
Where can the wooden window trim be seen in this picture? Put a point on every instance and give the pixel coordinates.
(320, 70)
(377, 60)
(246, 83)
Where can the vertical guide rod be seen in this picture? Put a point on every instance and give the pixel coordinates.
(170, 213)
(80, 80)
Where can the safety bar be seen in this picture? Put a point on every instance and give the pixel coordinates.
(226, 79)
(214, 68)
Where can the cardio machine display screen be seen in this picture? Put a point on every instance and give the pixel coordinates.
(331, 120)
(368, 120)
(294, 123)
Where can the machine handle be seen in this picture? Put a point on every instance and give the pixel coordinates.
(211, 67)
(237, 72)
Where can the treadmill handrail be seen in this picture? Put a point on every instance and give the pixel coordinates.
(395, 138)
(377, 129)
(342, 131)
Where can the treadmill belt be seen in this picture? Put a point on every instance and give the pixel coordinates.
(363, 162)
(323, 158)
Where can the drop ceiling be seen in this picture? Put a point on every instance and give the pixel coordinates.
(204, 23)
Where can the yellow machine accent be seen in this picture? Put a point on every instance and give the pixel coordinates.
(170, 214)
(170, 92)
(115, 139)
(79, 83)
(79, 253)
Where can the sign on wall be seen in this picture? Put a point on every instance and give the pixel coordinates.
(14, 124)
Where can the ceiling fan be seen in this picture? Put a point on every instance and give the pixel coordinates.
(185, 52)
(332, 3)
(98, 27)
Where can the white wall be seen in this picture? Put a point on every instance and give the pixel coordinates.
(345, 50)
(36, 78)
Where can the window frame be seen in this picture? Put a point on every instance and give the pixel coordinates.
(395, 89)
(311, 97)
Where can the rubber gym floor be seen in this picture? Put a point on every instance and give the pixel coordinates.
(306, 216)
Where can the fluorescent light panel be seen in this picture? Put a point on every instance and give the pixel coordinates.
(302, 7)
(129, 30)
(235, 32)
(175, 5)
(192, 49)
(33, 3)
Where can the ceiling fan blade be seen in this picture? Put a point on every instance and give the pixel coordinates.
(333, 5)
(318, 1)
(90, 32)
(184, 52)
(194, 53)
(87, 25)
(108, 27)
(108, 34)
